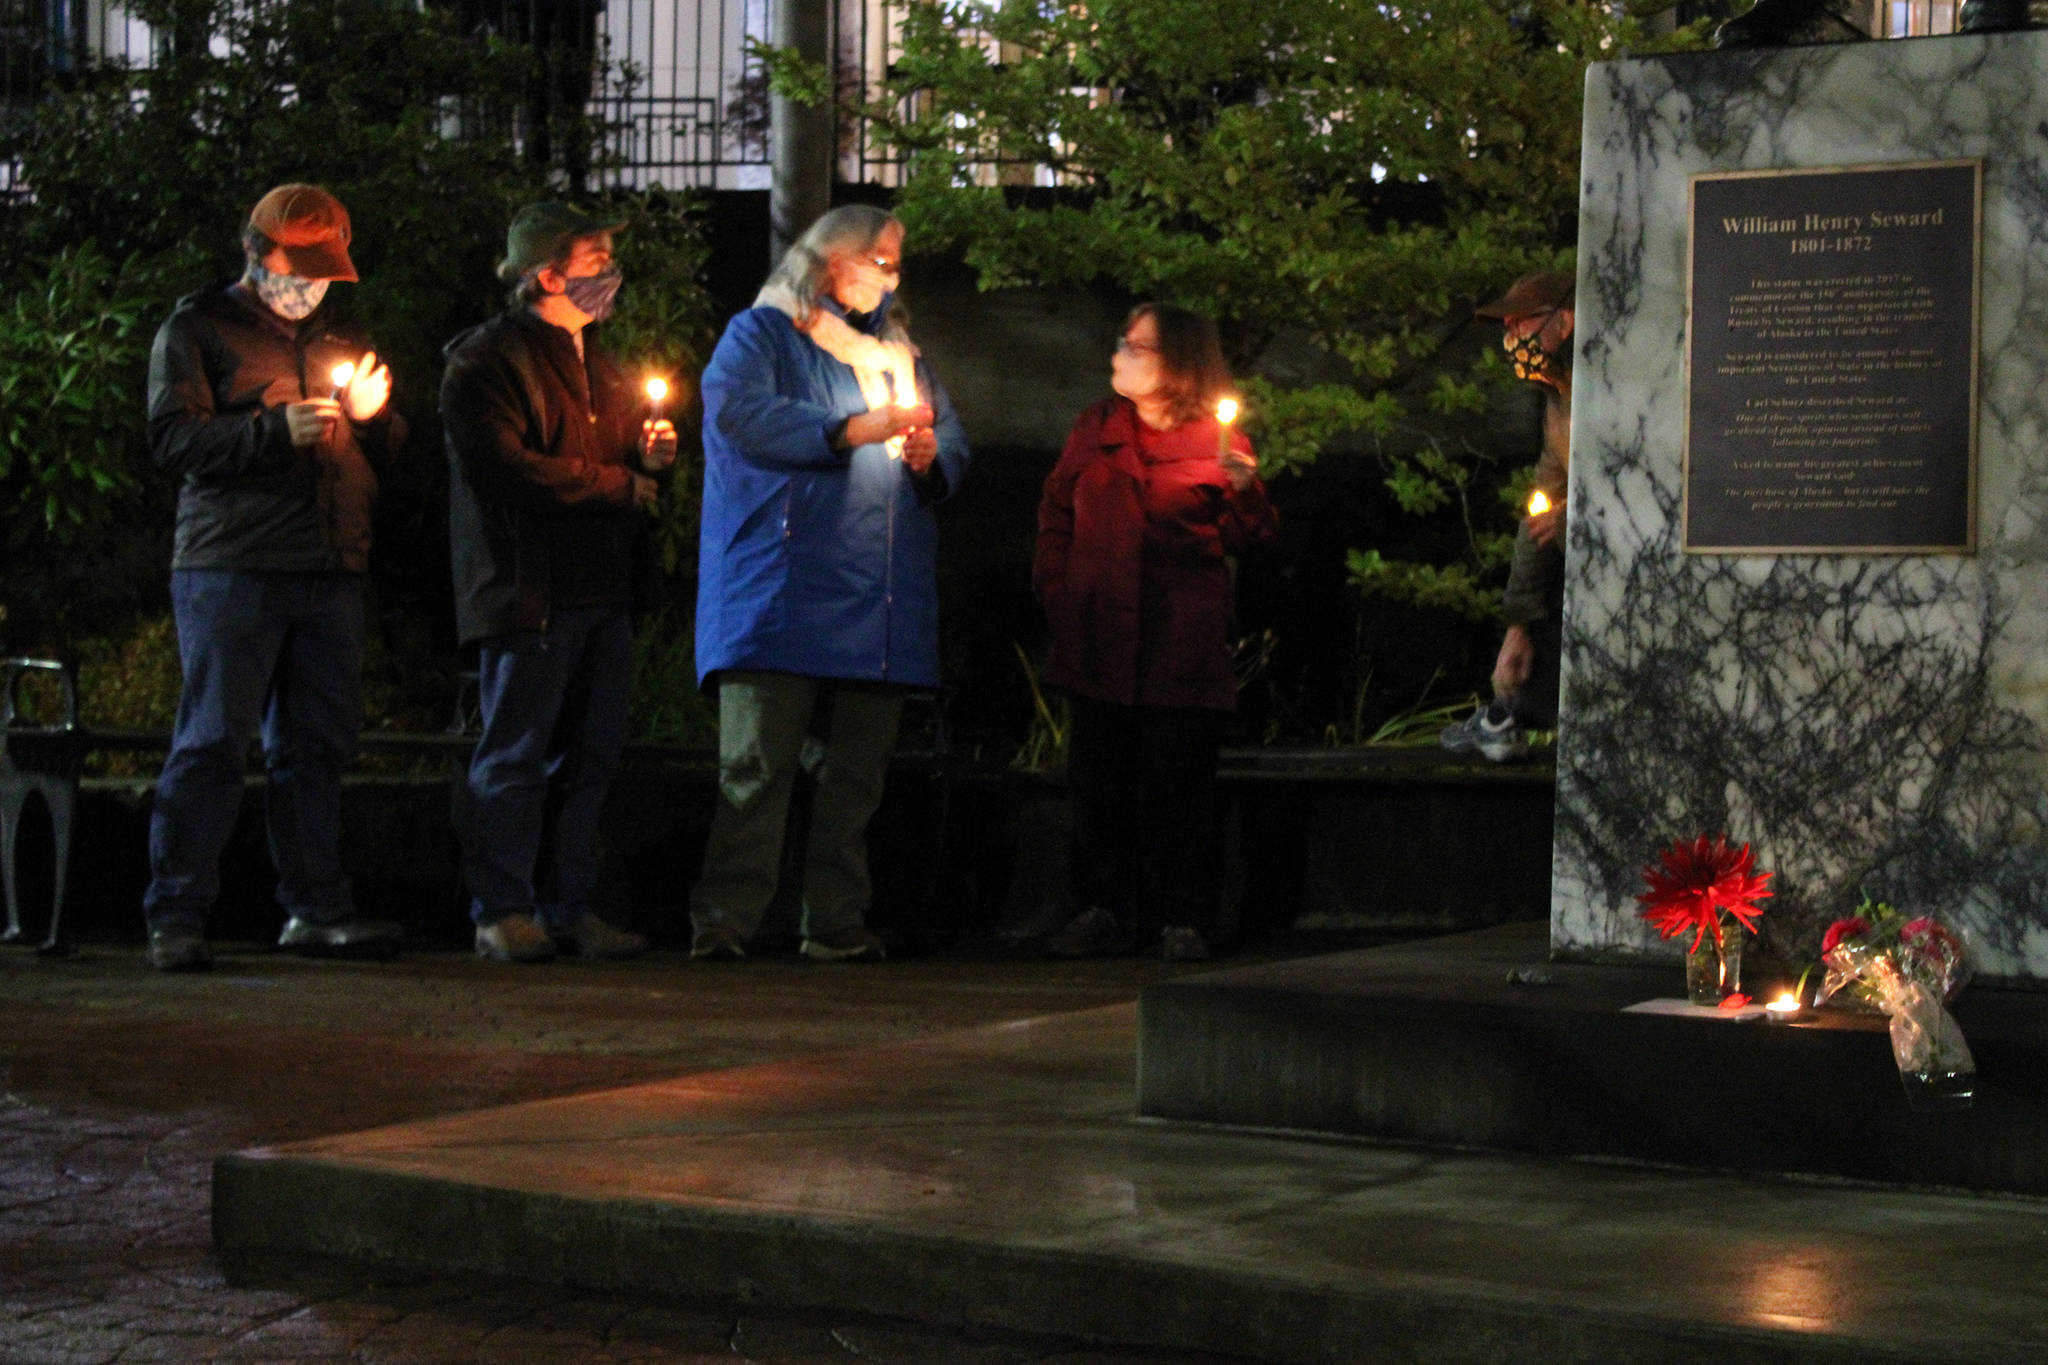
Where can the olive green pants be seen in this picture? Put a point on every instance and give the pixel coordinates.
(770, 725)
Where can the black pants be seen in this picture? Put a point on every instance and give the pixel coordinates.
(1146, 832)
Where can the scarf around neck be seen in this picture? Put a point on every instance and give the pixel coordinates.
(884, 366)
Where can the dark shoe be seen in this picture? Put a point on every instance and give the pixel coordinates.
(1180, 943)
(1092, 933)
(177, 950)
(717, 943)
(1492, 732)
(377, 939)
(857, 944)
(515, 938)
(591, 937)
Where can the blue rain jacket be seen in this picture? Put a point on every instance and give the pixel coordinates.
(814, 561)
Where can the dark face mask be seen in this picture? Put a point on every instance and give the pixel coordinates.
(596, 294)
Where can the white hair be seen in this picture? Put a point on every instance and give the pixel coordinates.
(804, 271)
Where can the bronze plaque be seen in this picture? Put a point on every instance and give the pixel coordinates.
(1831, 360)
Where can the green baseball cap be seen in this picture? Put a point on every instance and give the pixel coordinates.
(543, 232)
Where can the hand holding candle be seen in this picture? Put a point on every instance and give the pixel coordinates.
(1237, 466)
(309, 420)
(885, 423)
(657, 433)
(362, 387)
(1543, 517)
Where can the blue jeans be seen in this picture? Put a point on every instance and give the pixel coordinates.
(285, 648)
(554, 710)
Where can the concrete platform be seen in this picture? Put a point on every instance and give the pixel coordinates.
(1431, 1041)
(998, 1177)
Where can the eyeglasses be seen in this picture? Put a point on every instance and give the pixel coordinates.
(1130, 347)
(885, 265)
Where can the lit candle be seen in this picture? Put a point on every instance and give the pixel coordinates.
(1226, 413)
(1538, 503)
(903, 387)
(343, 375)
(657, 394)
(1781, 1010)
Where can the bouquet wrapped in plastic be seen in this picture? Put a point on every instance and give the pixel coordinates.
(1908, 969)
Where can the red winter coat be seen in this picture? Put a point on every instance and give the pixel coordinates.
(1132, 533)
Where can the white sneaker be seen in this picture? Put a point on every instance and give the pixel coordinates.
(1497, 739)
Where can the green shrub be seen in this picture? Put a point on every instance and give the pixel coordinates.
(74, 347)
(666, 706)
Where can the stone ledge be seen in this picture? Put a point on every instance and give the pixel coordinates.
(1429, 1042)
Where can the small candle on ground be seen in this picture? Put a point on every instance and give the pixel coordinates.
(1783, 1009)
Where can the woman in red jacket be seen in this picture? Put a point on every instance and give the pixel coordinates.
(1135, 530)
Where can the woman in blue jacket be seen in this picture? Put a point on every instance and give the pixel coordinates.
(827, 443)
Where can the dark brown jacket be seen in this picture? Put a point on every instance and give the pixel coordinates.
(220, 375)
(542, 448)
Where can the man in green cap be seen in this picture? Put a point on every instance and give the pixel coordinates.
(552, 458)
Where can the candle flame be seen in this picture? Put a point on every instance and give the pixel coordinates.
(657, 388)
(1784, 1004)
(344, 373)
(1226, 411)
(1538, 503)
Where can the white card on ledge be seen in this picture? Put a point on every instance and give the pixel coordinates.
(1685, 1009)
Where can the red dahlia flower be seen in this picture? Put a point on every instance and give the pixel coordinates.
(1697, 882)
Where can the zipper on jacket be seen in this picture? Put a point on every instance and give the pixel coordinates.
(889, 561)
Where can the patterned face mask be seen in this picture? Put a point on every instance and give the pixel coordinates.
(288, 296)
(1529, 358)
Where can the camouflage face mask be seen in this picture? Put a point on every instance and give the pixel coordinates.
(289, 296)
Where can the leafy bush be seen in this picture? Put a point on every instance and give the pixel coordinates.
(74, 347)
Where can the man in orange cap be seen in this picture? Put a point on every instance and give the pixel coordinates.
(1536, 323)
(269, 414)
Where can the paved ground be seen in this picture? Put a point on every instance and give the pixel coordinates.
(119, 1086)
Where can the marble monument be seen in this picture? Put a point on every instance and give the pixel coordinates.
(1868, 721)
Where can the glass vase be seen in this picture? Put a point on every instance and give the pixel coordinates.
(1714, 971)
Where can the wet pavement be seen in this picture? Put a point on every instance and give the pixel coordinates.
(120, 1086)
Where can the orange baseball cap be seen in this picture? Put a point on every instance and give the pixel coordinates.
(1544, 292)
(311, 226)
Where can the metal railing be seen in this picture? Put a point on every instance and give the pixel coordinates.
(678, 98)
(681, 100)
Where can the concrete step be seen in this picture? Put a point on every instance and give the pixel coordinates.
(1431, 1041)
(999, 1177)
